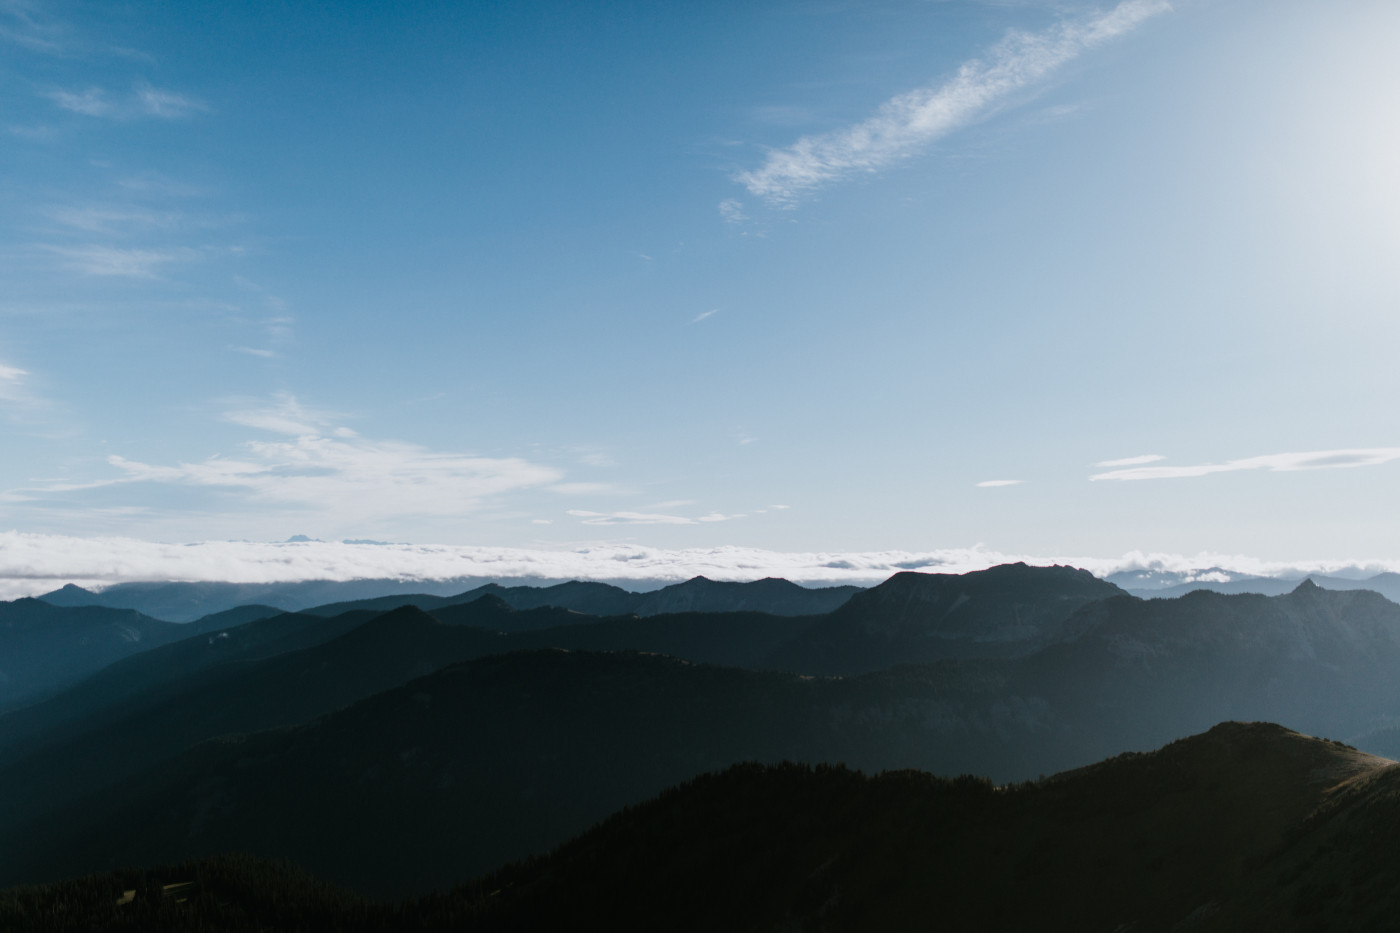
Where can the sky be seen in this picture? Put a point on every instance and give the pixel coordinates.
(1061, 280)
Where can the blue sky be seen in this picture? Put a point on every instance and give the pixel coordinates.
(1052, 278)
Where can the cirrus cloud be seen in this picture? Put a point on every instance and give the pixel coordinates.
(1131, 461)
(907, 123)
(1274, 463)
(143, 101)
(325, 471)
(647, 518)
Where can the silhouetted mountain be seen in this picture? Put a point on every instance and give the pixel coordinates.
(124, 689)
(1150, 583)
(185, 602)
(598, 599)
(1260, 586)
(770, 595)
(71, 595)
(522, 750)
(1161, 585)
(491, 611)
(1247, 827)
(1153, 669)
(742, 639)
(451, 773)
(259, 684)
(44, 648)
(509, 754)
(289, 668)
(1387, 584)
(1004, 611)
(1194, 835)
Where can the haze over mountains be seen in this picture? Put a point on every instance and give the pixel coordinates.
(465, 731)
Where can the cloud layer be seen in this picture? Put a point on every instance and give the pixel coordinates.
(33, 563)
(907, 123)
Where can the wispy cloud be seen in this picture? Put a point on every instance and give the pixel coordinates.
(732, 211)
(989, 483)
(157, 185)
(285, 415)
(126, 220)
(11, 383)
(20, 404)
(1131, 461)
(647, 518)
(585, 489)
(32, 133)
(111, 220)
(102, 260)
(166, 105)
(704, 315)
(331, 473)
(907, 123)
(1292, 462)
(92, 102)
(142, 101)
(21, 24)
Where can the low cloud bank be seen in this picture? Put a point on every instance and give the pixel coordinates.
(31, 564)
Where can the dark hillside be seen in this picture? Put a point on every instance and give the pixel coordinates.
(135, 681)
(737, 639)
(1138, 842)
(242, 694)
(45, 648)
(446, 776)
(1247, 827)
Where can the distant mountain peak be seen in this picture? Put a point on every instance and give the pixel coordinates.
(492, 602)
(1307, 586)
(70, 595)
(402, 616)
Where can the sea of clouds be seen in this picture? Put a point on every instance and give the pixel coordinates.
(31, 564)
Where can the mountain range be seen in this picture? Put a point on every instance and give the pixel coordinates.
(44, 647)
(492, 725)
(184, 602)
(1151, 584)
(475, 732)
